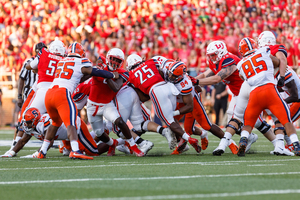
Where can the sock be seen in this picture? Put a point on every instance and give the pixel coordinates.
(45, 146)
(287, 140)
(131, 141)
(110, 142)
(121, 141)
(279, 136)
(227, 135)
(294, 138)
(74, 145)
(159, 129)
(138, 140)
(245, 134)
(17, 138)
(203, 132)
(185, 136)
(274, 142)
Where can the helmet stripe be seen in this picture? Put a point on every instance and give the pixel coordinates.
(175, 66)
(248, 43)
(73, 47)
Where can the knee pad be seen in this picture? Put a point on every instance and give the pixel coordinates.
(279, 128)
(237, 130)
(264, 127)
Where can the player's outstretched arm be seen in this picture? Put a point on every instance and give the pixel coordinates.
(100, 73)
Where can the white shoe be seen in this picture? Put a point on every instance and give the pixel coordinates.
(170, 136)
(221, 148)
(282, 152)
(123, 148)
(251, 139)
(66, 152)
(146, 146)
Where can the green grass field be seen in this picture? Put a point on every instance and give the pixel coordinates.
(160, 175)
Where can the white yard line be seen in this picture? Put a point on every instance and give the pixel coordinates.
(148, 178)
(193, 196)
(153, 164)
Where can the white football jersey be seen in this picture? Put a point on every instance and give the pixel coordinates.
(68, 73)
(43, 125)
(185, 87)
(257, 69)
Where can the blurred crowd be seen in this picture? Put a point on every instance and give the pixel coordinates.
(171, 28)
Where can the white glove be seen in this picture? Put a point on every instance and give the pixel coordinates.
(9, 154)
(34, 155)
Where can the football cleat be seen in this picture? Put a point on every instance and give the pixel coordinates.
(177, 152)
(78, 155)
(289, 147)
(123, 148)
(170, 136)
(146, 146)
(112, 148)
(41, 155)
(221, 148)
(296, 148)
(251, 139)
(204, 140)
(242, 146)
(233, 147)
(137, 151)
(282, 152)
(194, 143)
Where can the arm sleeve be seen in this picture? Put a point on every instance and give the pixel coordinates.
(101, 73)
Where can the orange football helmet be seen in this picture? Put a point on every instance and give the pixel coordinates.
(76, 49)
(30, 119)
(176, 71)
(247, 46)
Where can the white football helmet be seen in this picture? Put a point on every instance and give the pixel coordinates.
(57, 47)
(114, 59)
(132, 60)
(216, 50)
(266, 38)
(159, 59)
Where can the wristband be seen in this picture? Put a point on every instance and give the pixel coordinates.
(176, 112)
(19, 96)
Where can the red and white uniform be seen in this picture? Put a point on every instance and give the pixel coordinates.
(58, 100)
(81, 93)
(46, 63)
(100, 102)
(146, 77)
(85, 139)
(234, 82)
(258, 70)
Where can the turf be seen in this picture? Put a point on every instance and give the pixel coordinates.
(160, 175)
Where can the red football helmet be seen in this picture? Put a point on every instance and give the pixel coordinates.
(76, 49)
(30, 119)
(176, 71)
(247, 46)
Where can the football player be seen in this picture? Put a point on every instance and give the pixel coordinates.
(257, 68)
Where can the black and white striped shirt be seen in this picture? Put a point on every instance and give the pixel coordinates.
(29, 77)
